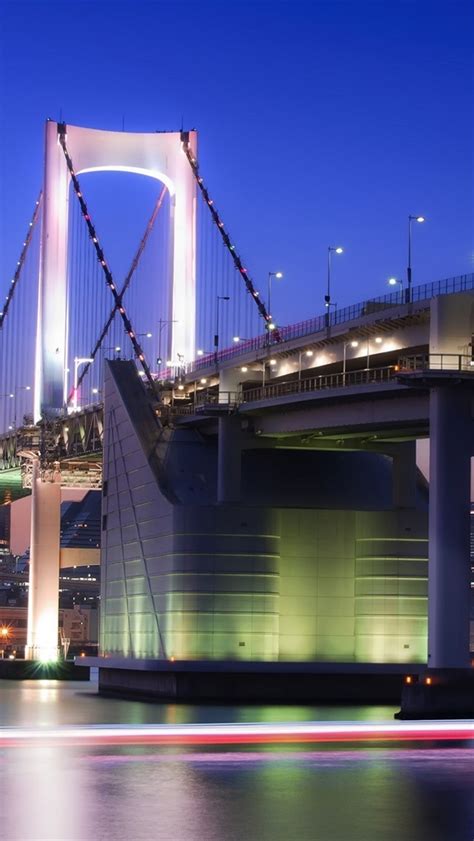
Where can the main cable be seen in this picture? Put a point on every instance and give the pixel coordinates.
(225, 236)
(22, 259)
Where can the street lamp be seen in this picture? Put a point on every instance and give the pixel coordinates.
(161, 325)
(353, 344)
(378, 341)
(332, 249)
(278, 276)
(17, 389)
(114, 348)
(219, 298)
(78, 361)
(302, 353)
(272, 364)
(4, 635)
(408, 289)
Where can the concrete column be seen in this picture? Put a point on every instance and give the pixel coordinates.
(51, 338)
(404, 475)
(229, 384)
(449, 562)
(43, 597)
(229, 455)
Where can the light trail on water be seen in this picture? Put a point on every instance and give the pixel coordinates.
(244, 734)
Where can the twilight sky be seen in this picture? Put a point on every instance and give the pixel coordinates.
(320, 123)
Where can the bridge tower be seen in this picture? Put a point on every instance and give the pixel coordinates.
(157, 155)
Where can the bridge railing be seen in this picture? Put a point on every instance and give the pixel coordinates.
(423, 292)
(437, 362)
(364, 376)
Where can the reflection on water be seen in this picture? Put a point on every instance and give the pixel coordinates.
(170, 794)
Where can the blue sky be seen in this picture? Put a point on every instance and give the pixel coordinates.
(319, 123)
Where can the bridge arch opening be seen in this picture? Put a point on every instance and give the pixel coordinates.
(132, 218)
(158, 155)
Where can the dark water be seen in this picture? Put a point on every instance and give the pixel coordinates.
(129, 793)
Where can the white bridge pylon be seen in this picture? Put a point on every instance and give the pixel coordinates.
(157, 155)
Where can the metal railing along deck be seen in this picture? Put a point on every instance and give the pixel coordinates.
(211, 400)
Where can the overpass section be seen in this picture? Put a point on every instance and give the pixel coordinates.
(285, 522)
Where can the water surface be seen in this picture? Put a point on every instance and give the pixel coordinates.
(128, 793)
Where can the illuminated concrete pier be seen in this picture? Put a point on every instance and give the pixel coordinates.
(43, 595)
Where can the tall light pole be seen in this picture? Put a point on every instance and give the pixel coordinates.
(378, 341)
(327, 298)
(278, 276)
(10, 395)
(408, 289)
(115, 348)
(161, 326)
(354, 344)
(17, 389)
(78, 361)
(302, 353)
(219, 298)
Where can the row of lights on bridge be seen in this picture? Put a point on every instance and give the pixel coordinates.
(392, 281)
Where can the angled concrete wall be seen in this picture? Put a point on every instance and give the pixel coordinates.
(184, 577)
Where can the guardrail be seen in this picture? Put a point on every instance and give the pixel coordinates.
(210, 400)
(364, 376)
(437, 362)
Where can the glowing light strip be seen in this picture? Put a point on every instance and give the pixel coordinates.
(101, 258)
(20, 262)
(163, 734)
(225, 236)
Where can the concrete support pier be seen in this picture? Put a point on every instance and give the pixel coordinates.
(229, 459)
(43, 599)
(449, 568)
(404, 475)
(446, 690)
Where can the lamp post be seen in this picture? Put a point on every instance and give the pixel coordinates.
(378, 341)
(278, 276)
(354, 344)
(161, 325)
(78, 361)
(4, 635)
(409, 278)
(114, 348)
(17, 389)
(302, 353)
(219, 298)
(10, 395)
(327, 298)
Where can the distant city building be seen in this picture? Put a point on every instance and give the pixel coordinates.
(5, 530)
(77, 625)
(80, 522)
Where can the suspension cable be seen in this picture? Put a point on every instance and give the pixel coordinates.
(22, 259)
(225, 236)
(124, 288)
(62, 131)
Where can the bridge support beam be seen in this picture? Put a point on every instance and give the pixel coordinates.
(449, 566)
(229, 459)
(404, 475)
(43, 597)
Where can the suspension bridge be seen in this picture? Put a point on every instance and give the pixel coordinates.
(211, 357)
